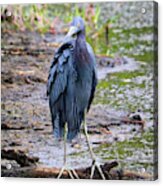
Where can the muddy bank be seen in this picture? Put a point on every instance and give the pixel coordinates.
(26, 125)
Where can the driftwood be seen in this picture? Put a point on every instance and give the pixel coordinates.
(30, 169)
(108, 169)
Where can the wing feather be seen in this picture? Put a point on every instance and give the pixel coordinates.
(58, 74)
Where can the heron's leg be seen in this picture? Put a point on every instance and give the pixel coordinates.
(64, 159)
(94, 163)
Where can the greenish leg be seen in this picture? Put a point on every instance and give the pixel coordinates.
(94, 163)
(64, 160)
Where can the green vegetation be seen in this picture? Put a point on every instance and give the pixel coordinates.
(45, 18)
(128, 90)
(133, 149)
(146, 56)
(118, 79)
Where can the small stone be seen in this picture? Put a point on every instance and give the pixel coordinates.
(76, 145)
(143, 10)
(8, 166)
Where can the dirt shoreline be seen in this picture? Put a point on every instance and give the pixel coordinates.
(26, 125)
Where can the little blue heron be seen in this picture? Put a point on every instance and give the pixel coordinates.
(71, 86)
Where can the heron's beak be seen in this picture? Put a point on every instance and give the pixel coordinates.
(73, 30)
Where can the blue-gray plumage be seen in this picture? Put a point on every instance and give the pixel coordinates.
(72, 81)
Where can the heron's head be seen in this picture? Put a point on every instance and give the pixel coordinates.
(77, 29)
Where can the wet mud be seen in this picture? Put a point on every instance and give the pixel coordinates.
(27, 138)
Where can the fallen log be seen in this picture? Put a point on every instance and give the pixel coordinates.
(84, 173)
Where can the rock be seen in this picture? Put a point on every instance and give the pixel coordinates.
(9, 164)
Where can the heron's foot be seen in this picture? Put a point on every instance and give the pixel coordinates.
(61, 172)
(72, 173)
(95, 164)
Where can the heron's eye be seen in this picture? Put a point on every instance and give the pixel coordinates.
(74, 35)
